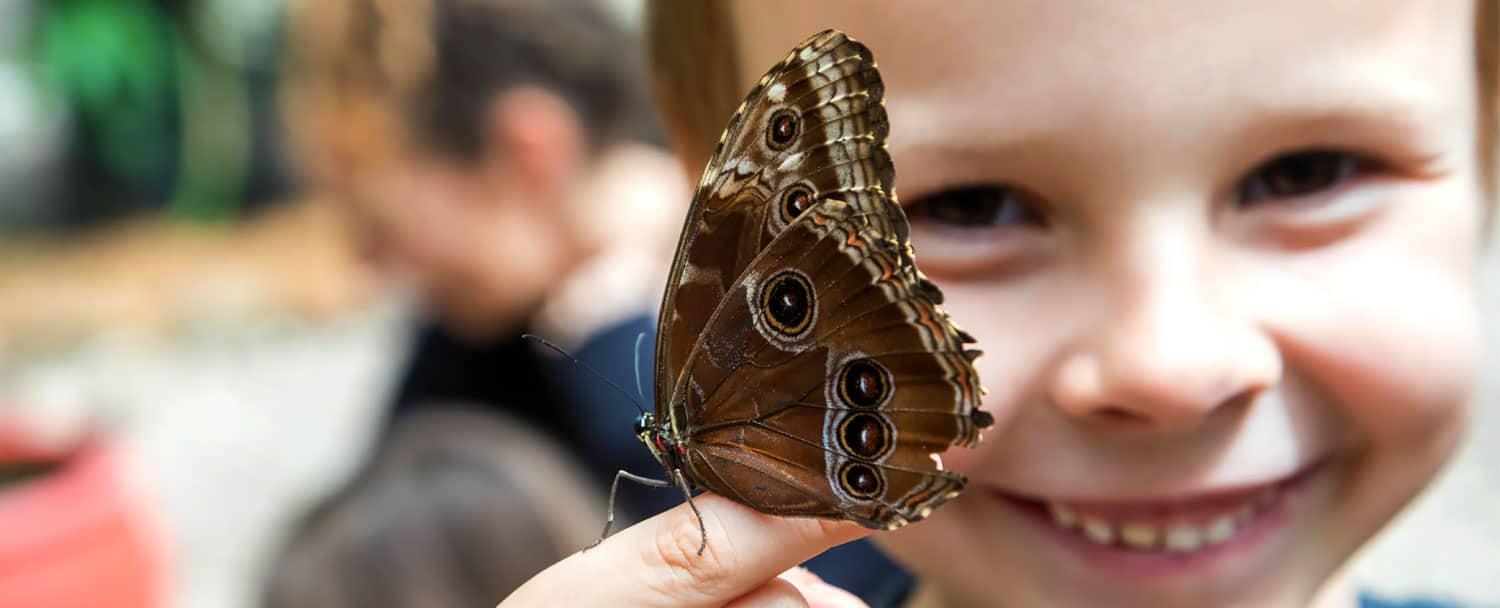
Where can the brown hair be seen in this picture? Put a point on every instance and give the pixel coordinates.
(694, 65)
(694, 62)
(459, 507)
(1487, 62)
(433, 66)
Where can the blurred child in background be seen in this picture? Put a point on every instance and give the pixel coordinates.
(492, 154)
(1222, 259)
(485, 150)
(489, 154)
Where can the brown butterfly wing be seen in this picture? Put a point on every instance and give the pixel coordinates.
(812, 127)
(829, 378)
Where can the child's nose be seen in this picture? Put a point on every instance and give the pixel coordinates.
(1163, 357)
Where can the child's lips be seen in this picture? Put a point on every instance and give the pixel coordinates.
(1180, 525)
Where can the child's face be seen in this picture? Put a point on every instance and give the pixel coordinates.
(451, 228)
(1220, 258)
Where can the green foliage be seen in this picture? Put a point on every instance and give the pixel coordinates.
(116, 61)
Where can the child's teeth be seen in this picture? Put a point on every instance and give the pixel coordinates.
(1184, 539)
(1220, 530)
(1140, 536)
(1178, 537)
(1098, 530)
(1063, 516)
(1244, 515)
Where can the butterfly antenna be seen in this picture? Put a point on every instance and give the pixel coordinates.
(591, 370)
(640, 338)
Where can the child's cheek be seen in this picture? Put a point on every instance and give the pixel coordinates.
(1003, 401)
(963, 460)
(1413, 373)
(1018, 334)
(1386, 324)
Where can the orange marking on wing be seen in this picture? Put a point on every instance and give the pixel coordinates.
(929, 321)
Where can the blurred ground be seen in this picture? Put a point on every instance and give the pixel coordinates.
(239, 412)
(231, 429)
(242, 367)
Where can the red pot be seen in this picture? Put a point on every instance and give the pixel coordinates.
(75, 535)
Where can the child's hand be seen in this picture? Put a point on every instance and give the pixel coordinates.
(656, 563)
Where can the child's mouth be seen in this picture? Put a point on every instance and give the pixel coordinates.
(1145, 532)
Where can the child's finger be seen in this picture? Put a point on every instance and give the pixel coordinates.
(775, 593)
(656, 562)
(819, 594)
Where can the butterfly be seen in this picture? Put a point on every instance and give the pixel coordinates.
(803, 365)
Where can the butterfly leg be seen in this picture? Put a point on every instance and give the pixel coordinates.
(688, 494)
(614, 488)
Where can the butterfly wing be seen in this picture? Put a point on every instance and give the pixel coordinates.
(812, 127)
(828, 379)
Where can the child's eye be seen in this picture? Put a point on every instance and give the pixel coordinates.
(976, 207)
(1299, 174)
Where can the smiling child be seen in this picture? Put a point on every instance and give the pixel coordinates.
(1222, 260)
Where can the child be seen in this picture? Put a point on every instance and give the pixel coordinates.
(496, 155)
(1222, 262)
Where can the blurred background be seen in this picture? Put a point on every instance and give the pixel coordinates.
(179, 305)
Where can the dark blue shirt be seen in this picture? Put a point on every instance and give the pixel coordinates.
(896, 590)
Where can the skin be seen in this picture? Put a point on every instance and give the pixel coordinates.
(483, 241)
(1178, 294)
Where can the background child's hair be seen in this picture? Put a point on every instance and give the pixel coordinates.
(695, 69)
(1487, 61)
(434, 66)
(458, 508)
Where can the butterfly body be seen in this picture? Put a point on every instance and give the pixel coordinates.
(803, 365)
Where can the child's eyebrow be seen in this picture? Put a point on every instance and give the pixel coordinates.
(1375, 96)
(1376, 108)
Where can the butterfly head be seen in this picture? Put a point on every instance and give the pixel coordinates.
(643, 424)
(664, 445)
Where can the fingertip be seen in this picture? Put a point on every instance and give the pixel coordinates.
(803, 533)
(838, 532)
(818, 592)
(744, 547)
(775, 593)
